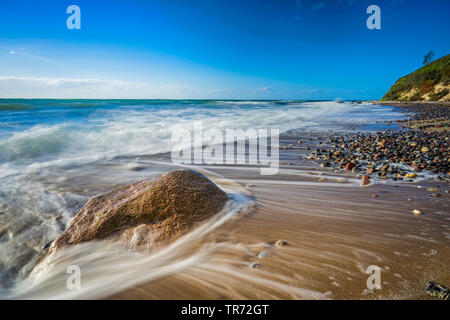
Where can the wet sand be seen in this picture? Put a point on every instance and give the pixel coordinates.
(335, 229)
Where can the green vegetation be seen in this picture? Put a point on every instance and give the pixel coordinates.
(424, 80)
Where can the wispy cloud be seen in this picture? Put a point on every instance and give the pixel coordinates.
(263, 89)
(174, 86)
(308, 91)
(263, 92)
(70, 82)
(37, 87)
(89, 88)
(25, 53)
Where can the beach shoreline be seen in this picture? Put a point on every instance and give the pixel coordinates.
(335, 230)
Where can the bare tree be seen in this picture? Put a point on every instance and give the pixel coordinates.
(428, 57)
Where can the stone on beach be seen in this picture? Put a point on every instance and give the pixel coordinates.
(157, 209)
(349, 166)
(280, 243)
(365, 180)
(400, 155)
(263, 254)
(435, 195)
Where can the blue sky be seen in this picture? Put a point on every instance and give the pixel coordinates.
(248, 49)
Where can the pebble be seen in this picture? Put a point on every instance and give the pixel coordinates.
(374, 153)
(417, 212)
(349, 166)
(365, 180)
(281, 243)
(436, 195)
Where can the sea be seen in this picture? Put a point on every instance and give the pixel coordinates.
(56, 154)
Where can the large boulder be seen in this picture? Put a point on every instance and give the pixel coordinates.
(151, 210)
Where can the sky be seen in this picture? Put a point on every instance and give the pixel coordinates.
(215, 49)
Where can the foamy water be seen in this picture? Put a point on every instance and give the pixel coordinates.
(47, 132)
(108, 268)
(55, 154)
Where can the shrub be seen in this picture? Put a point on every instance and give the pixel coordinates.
(436, 96)
(426, 86)
(416, 97)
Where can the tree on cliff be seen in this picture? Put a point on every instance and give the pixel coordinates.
(428, 58)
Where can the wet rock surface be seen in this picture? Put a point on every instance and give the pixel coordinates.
(147, 211)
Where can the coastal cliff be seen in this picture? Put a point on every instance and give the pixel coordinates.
(429, 83)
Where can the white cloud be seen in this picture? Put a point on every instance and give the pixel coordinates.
(265, 89)
(29, 87)
(174, 86)
(25, 53)
(308, 91)
(89, 88)
(222, 90)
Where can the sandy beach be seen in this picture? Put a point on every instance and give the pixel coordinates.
(311, 231)
(335, 230)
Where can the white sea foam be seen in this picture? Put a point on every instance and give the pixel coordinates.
(49, 167)
(143, 131)
(108, 268)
